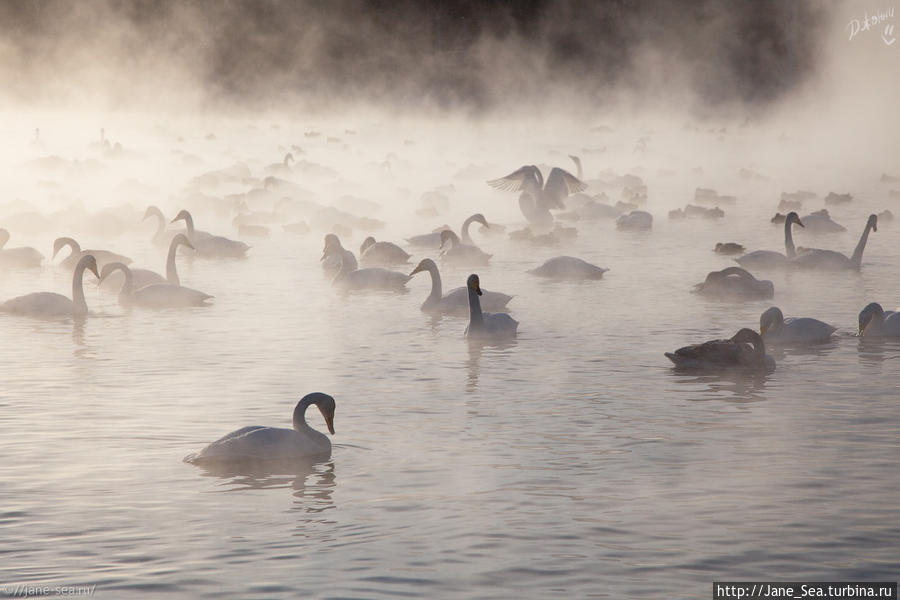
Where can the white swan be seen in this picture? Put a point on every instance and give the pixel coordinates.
(433, 239)
(350, 277)
(157, 295)
(208, 245)
(484, 325)
(282, 168)
(162, 236)
(537, 199)
(382, 254)
(144, 277)
(461, 254)
(735, 283)
(796, 330)
(568, 268)
(745, 351)
(51, 304)
(875, 322)
(814, 258)
(456, 301)
(767, 259)
(257, 443)
(26, 257)
(636, 220)
(101, 256)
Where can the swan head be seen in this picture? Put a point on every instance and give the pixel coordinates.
(449, 236)
(182, 240)
(89, 263)
(793, 217)
(58, 243)
(747, 336)
(332, 245)
(369, 241)
(426, 264)
(182, 214)
(479, 218)
(474, 283)
(108, 268)
(866, 315)
(769, 319)
(326, 406)
(872, 222)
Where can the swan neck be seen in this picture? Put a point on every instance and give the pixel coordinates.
(189, 224)
(300, 415)
(789, 249)
(476, 318)
(436, 287)
(466, 238)
(860, 247)
(78, 290)
(759, 350)
(171, 271)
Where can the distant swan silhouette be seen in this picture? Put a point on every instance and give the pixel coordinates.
(101, 256)
(26, 257)
(568, 268)
(814, 258)
(433, 239)
(735, 283)
(208, 245)
(51, 304)
(537, 198)
(767, 259)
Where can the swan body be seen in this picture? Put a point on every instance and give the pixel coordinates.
(537, 198)
(383, 254)
(729, 248)
(636, 220)
(433, 239)
(52, 305)
(800, 330)
(257, 443)
(735, 283)
(821, 222)
(143, 277)
(484, 325)
(350, 277)
(101, 256)
(568, 267)
(456, 301)
(768, 259)
(462, 254)
(25, 257)
(875, 322)
(745, 351)
(208, 245)
(157, 295)
(830, 260)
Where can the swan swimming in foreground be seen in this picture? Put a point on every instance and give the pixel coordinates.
(26, 257)
(484, 325)
(768, 259)
(51, 304)
(461, 254)
(456, 301)
(101, 256)
(208, 245)
(350, 277)
(537, 199)
(875, 322)
(156, 295)
(814, 258)
(568, 268)
(774, 328)
(745, 351)
(382, 254)
(257, 443)
(433, 239)
(735, 283)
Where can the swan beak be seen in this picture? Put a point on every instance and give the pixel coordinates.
(329, 421)
(478, 290)
(93, 269)
(418, 269)
(800, 223)
(762, 330)
(324, 256)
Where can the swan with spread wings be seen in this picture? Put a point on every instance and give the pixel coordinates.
(538, 198)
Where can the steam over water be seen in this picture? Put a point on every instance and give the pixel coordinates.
(570, 461)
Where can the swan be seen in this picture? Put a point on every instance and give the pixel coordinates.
(537, 198)
(331, 262)
(460, 253)
(144, 277)
(282, 168)
(796, 330)
(830, 260)
(484, 325)
(433, 239)
(875, 322)
(767, 259)
(51, 304)
(17, 257)
(735, 283)
(101, 256)
(636, 220)
(257, 443)
(568, 267)
(745, 351)
(815, 222)
(456, 301)
(350, 277)
(157, 295)
(729, 248)
(208, 245)
(162, 236)
(382, 254)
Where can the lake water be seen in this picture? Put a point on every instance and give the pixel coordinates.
(570, 462)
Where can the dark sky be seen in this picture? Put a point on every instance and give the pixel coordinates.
(450, 53)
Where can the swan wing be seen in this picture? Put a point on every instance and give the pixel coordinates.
(40, 304)
(515, 181)
(561, 183)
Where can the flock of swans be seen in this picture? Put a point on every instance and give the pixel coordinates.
(375, 270)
